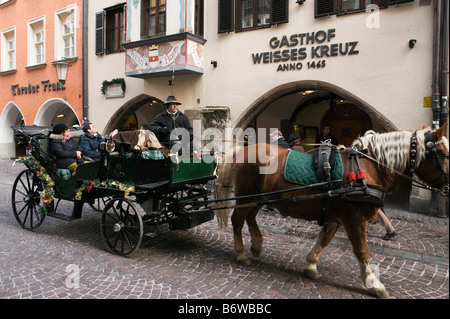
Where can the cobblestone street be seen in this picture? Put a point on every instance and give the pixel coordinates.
(200, 263)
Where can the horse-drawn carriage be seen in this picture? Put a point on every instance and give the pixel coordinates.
(131, 191)
(174, 192)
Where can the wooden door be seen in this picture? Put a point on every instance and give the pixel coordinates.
(347, 122)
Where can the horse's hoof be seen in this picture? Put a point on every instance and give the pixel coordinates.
(381, 294)
(311, 272)
(245, 261)
(255, 252)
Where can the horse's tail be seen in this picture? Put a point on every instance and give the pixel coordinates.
(224, 186)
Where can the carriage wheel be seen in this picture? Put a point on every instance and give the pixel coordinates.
(121, 226)
(26, 200)
(99, 204)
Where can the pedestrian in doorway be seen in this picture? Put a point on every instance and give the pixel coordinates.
(326, 135)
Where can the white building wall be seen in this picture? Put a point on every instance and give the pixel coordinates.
(386, 74)
(106, 67)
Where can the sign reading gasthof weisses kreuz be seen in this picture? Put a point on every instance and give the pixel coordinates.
(287, 51)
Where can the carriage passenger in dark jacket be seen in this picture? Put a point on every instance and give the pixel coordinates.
(91, 140)
(66, 150)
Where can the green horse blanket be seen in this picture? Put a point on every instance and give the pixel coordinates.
(300, 169)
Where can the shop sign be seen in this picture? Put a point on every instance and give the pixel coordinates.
(45, 86)
(292, 51)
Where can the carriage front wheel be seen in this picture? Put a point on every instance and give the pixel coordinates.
(26, 201)
(121, 226)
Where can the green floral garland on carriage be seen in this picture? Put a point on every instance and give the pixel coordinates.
(88, 185)
(48, 193)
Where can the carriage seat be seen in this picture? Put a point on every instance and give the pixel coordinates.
(44, 142)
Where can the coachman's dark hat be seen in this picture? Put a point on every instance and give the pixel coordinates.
(171, 99)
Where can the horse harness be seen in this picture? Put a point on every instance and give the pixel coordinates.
(430, 148)
(359, 192)
(364, 193)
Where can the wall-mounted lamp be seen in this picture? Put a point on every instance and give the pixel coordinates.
(61, 70)
(412, 42)
(214, 63)
(300, 2)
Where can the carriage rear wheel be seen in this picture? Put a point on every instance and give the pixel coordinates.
(121, 226)
(99, 204)
(26, 200)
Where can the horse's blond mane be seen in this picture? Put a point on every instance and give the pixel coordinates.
(392, 149)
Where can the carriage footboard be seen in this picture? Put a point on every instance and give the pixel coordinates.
(189, 220)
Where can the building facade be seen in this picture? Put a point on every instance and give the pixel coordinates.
(261, 64)
(283, 64)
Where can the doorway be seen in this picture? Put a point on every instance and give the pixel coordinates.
(347, 122)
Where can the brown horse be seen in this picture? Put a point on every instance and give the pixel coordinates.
(388, 155)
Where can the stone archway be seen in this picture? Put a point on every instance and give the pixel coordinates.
(325, 92)
(144, 107)
(55, 111)
(259, 105)
(11, 115)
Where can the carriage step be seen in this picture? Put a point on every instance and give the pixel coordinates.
(61, 216)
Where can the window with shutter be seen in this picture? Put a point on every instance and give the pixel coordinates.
(255, 14)
(114, 28)
(153, 18)
(226, 16)
(99, 34)
(324, 8)
(279, 11)
(199, 17)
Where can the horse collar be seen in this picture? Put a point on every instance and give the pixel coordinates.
(413, 153)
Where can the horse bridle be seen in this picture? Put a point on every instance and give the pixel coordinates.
(430, 148)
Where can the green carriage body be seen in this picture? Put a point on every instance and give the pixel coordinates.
(158, 186)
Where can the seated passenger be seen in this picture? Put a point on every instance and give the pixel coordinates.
(91, 140)
(66, 150)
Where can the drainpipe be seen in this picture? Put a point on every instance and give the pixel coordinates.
(443, 200)
(85, 62)
(444, 62)
(435, 108)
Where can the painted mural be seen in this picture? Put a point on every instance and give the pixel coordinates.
(163, 56)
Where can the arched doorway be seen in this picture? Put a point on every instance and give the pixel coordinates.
(137, 113)
(304, 106)
(55, 111)
(11, 115)
(307, 95)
